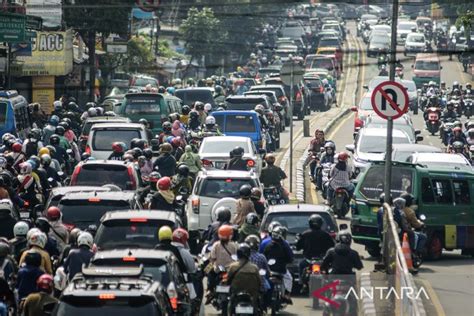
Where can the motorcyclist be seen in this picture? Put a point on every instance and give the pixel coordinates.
(165, 236)
(37, 242)
(244, 205)
(326, 158)
(19, 242)
(259, 206)
(223, 217)
(314, 242)
(432, 89)
(459, 148)
(219, 95)
(148, 131)
(470, 136)
(79, 256)
(180, 240)
(164, 199)
(457, 136)
(272, 175)
(50, 171)
(210, 127)
(199, 107)
(147, 166)
(7, 265)
(58, 229)
(50, 129)
(261, 262)
(28, 186)
(194, 122)
(468, 91)
(192, 160)
(37, 304)
(63, 142)
(315, 148)
(167, 128)
(30, 270)
(236, 162)
(181, 180)
(340, 176)
(33, 143)
(341, 259)
(249, 227)
(118, 149)
(177, 143)
(165, 164)
(60, 153)
(414, 222)
(184, 117)
(51, 245)
(383, 71)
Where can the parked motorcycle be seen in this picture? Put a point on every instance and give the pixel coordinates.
(433, 122)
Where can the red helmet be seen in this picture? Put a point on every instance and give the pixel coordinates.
(225, 232)
(180, 235)
(45, 282)
(17, 147)
(117, 147)
(176, 142)
(342, 156)
(457, 129)
(164, 183)
(53, 213)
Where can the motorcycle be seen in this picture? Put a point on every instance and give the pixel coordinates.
(433, 120)
(340, 202)
(418, 254)
(277, 301)
(326, 168)
(222, 297)
(399, 72)
(468, 104)
(242, 304)
(346, 304)
(471, 152)
(312, 278)
(274, 195)
(457, 104)
(422, 100)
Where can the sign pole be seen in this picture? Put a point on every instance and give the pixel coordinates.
(9, 67)
(291, 125)
(388, 151)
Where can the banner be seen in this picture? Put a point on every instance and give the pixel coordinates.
(52, 55)
(49, 10)
(43, 92)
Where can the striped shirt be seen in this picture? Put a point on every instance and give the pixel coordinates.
(340, 178)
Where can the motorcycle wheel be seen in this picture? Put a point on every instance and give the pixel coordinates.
(417, 260)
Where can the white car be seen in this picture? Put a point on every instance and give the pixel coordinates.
(415, 43)
(403, 29)
(441, 160)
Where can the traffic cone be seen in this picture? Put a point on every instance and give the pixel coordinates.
(407, 252)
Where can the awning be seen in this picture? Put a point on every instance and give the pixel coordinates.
(142, 15)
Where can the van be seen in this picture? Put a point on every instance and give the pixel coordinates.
(426, 68)
(153, 107)
(202, 94)
(241, 123)
(444, 195)
(14, 114)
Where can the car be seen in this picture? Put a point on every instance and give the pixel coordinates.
(214, 152)
(325, 62)
(141, 81)
(280, 94)
(370, 145)
(247, 102)
(295, 218)
(101, 172)
(361, 24)
(81, 209)
(101, 137)
(401, 152)
(316, 98)
(378, 44)
(408, 84)
(133, 228)
(292, 29)
(335, 26)
(427, 67)
(211, 186)
(299, 107)
(57, 193)
(324, 74)
(286, 52)
(337, 51)
(330, 41)
(404, 27)
(381, 28)
(134, 293)
(87, 125)
(191, 95)
(402, 123)
(441, 161)
(422, 20)
(415, 43)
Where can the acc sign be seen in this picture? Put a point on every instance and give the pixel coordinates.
(390, 100)
(148, 5)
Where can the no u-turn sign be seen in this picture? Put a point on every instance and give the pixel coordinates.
(390, 100)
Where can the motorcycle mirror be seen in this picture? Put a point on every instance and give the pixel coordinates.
(69, 151)
(234, 257)
(262, 272)
(60, 174)
(423, 217)
(417, 131)
(343, 226)
(271, 262)
(50, 180)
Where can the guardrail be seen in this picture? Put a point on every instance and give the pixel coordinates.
(396, 267)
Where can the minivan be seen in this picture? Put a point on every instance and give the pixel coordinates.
(241, 123)
(426, 68)
(14, 114)
(191, 95)
(445, 196)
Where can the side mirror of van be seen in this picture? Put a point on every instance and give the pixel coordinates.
(350, 147)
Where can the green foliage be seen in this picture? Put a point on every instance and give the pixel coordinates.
(139, 53)
(466, 20)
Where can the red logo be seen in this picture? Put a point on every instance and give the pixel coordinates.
(319, 293)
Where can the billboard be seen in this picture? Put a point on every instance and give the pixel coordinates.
(43, 92)
(49, 10)
(52, 55)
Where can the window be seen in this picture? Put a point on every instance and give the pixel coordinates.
(3, 113)
(220, 188)
(443, 191)
(373, 184)
(461, 192)
(101, 174)
(427, 65)
(427, 195)
(240, 124)
(103, 139)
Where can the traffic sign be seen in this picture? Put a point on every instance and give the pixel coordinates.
(287, 69)
(34, 22)
(12, 27)
(390, 100)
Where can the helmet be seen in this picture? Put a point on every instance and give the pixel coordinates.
(166, 148)
(457, 129)
(237, 152)
(17, 147)
(253, 241)
(245, 191)
(92, 112)
(278, 233)
(51, 148)
(315, 221)
(167, 126)
(458, 146)
(37, 238)
(45, 283)
(148, 153)
(36, 161)
(137, 152)
(154, 177)
(53, 213)
(193, 115)
(330, 145)
(4, 249)
(85, 239)
(207, 107)
(225, 232)
(270, 158)
(54, 120)
(342, 156)
(399, 203)
(199, 106)
(218, 89)
(251, 218)
(171, 90)
(272, 226)
(117, 147)
(223, 214)
(181, 235)
(243, 251)
(344, 237)
(470, 132)
(468, 85)
(210, 120)
(260, 109)
(90, 105)
(256, 194)
(57, 105)
(143, 121)
(64, 124)
(409, 198)
(43, 224)
(164, 183)
(75, 232)
(183, 170)
(25, 168)
(176, 142)
(455, 84)
(43, 151)
(20, 229)
(165, 233)
(185, 109)
(60, 130)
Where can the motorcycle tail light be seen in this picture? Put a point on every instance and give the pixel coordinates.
(316, 268)
(250, 163)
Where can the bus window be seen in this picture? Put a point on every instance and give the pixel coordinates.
(3, 113)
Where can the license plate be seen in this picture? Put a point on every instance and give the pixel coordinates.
(219, 164)
(222, 289)
(375, 209)
(244, 310)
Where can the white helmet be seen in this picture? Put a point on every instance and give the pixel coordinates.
(210, 120)
(38, 239)
(25, 168)
(92, 112)
(32, 231)
(207, 107)
(57, 104)
(6, 205)
(85, 239)
(20, 229)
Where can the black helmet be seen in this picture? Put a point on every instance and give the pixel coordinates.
(245, 191)
(43, 224)
(60, 130)
(161, 89)
(85, 156)
(139, 143)
(183, 170)
(137, 152)
(193, 115)
(186, 109)
(278, 233)
(199, 106)
(148, 153)
(315, 221)
(223, 214)
(344, 237)
(253, 241)
(167, 126)
(218, 89)
(409, 198)
(256, 194)
(54, 139)
(4, 249)
(272, 226)
(244, 251)
(64, 124)
(238, 152)
(251, 218)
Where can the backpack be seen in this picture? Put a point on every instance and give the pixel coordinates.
(31, 148)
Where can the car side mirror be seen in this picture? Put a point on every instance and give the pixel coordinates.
(419, 138)
(350, 147)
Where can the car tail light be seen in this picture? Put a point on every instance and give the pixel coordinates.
(138, 220)
(250, 163)
(132, 178)
(107, 296)
(94, 199)
(298, 96)
(206, 162)
(75, 174)
(195, 205)
(69, 226)
(315, 268)
(129, 259)
(333, 235)
(173, 296)
(321, 89)
(88, 149)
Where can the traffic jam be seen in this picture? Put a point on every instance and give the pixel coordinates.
(239, 183)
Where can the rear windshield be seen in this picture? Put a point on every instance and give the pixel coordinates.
(426, 65)
(312, 83)
(297, 222)
(117, 307)
(159, 272)
(240, 124)
(143, 104)
(100, 174)
(376, 144)
(374, 182)
(142, 82)
(222, 147)
(191, 96)
(127, 234)
(328, 42)
(225, 187)
(243, 104)
(277, 91)
(104, 138)
(83, 213)
(325, 63)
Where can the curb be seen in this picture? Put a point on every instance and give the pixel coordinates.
(366, 306)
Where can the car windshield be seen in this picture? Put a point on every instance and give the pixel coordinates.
(116, 307)
(82, 213)
(325, 63)
(223, 187)
(243, 104)
(376, 144)
(313, 83)
(222, 147)
(374, 182)
(146, 103)
(101, 174)
(400, 125)
(426, 65)
(103, 138)
(142, 82)
(406, 26)
(297, 222)
(191, 96)
(278, 91)
(329, 42)
(379, 39)
(416, 39)
(239, 124)
(410, 85)
(138, 233)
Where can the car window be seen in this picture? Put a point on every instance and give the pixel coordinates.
(244, 104)
(443, 191)
(191, 96)
(416, 38)
(377, 144)
(222, 147)
(240, 124)
(374, 182)
(142, 82)
(427, 195)
(82, 213)
(103, 138)
(329, 42)
(297, 222)
(223, 187)
(101, 174)
(426, 65)
(461, 192)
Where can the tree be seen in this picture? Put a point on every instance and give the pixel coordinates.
(90, 17)
(139, 54)
(466, 20)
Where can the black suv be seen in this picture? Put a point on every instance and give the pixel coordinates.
(101, 291)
